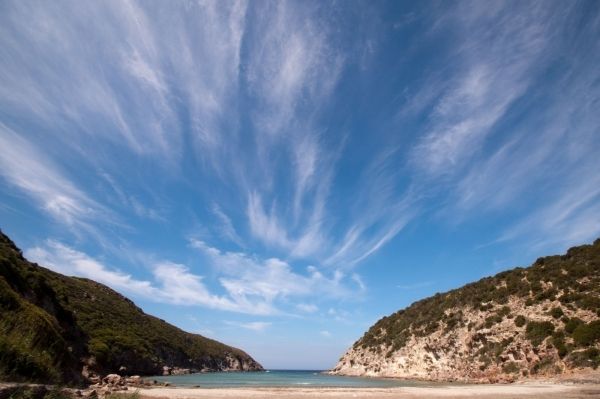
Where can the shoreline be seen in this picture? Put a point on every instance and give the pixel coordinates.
(499, 391)
(578, 376)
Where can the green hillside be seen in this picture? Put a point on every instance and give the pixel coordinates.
(537, 301)
(51, 325)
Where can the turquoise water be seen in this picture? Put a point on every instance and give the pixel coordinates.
(280, 378)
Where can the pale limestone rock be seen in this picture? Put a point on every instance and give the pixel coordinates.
(453, 355)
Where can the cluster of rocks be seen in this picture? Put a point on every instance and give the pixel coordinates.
(115, 383)
(177, 371)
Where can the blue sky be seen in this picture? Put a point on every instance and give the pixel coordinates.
(279, 175)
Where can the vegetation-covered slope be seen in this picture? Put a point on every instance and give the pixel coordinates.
(540, 319)
(52, 325)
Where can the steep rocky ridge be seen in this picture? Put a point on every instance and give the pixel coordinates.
(539, 321)
(53, 327)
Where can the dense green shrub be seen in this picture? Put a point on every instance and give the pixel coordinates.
(486, 306)
(588, 358)
(57, 393)
(529, 302)
(520, 321)
(556, 312)
(558, 340)
(544, 364)
(537, 331)
(511, 368)
(22, 364)
(491, 320)
(587, 334)
(549, 294)
(123, 395)
(39, 392)
(572, 324)
(503, 311)
(589, 302)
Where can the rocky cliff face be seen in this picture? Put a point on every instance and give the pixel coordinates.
(539, 321)
(55, 328)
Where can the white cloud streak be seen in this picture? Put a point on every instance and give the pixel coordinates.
(91, 103)
(225, 226)
(144, 81)
(253, 282)
(28, 168)
(494, 60)
(561, 151)
(295, 65)
(258, 326)
(478, 149)
(68, 261)
(252, 286)
(307, 307)
(172, 283)
(238, 95)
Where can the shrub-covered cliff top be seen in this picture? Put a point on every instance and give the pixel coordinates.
(50, 322)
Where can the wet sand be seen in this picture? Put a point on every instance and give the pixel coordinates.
(508, 391)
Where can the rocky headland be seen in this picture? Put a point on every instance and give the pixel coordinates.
(537, 322)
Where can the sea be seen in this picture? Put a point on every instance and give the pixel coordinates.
(281, 378)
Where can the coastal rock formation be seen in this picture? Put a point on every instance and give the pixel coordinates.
(59, 329)
(540, 321)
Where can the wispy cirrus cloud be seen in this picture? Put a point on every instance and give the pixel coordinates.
(91, 104)
(258, 326)
(494, 60)
(226, 227)
(295, 67)
(381, 209)
(68, 261)
(307, 307)
(239, 101)
(476, 147)
(296, 134)
(172, 283)
(251, 285)
(250, 280)
(560, 151)
(29, 169)
(568, 218)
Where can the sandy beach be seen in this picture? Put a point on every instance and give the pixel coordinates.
(470, 391)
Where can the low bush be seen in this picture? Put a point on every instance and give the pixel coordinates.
(122, 395)
(537, 331)
(587, 358)
(556, 312)
(558, 340)
(491, 320)
(572, 324)
(511, 368)
(520, 321)
(587, 334)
